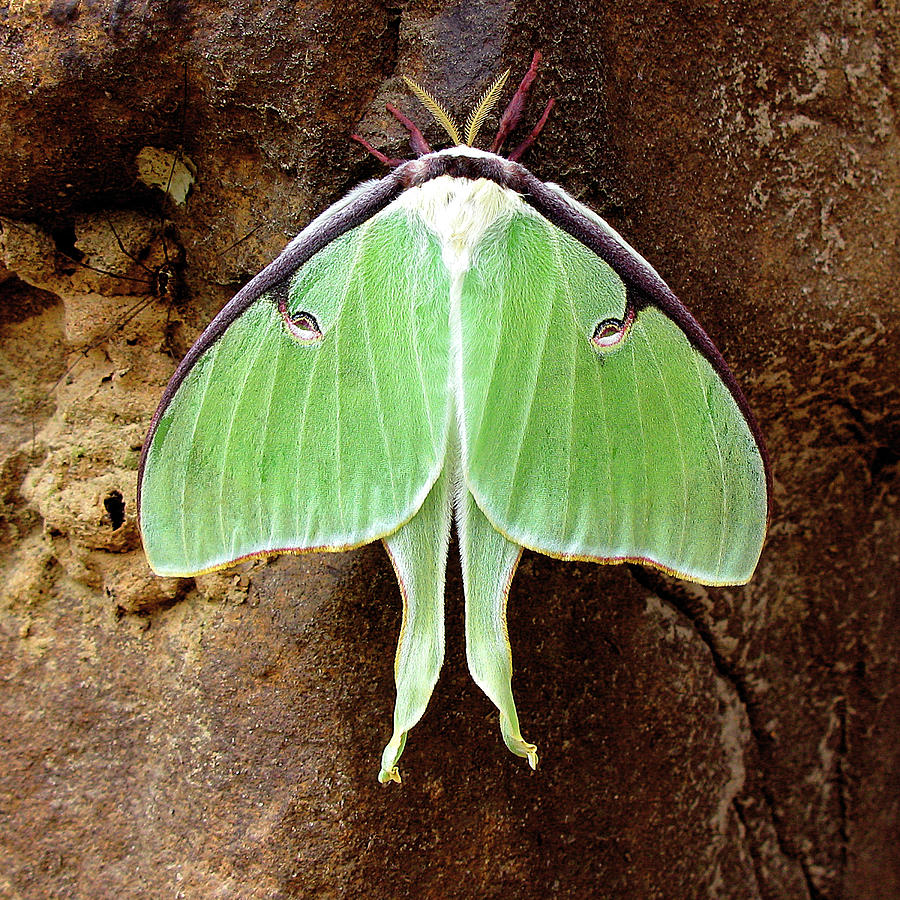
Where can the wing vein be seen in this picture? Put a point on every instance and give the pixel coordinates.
(476, 431)
(573, 374)
(264, 431)
(379, 406)
(681, 452)
(417, 348)
(715, 434)
(645, 494)
(338, 459)
(362, 232)
(526, 418)
(238, 396)
(213, 352)
(302, 427)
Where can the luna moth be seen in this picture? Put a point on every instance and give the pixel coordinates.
(456, 342)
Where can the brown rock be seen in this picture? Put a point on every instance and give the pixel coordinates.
(220, 737)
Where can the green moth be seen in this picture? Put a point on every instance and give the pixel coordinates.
(457, 341)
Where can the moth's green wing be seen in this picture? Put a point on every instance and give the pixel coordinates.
(272, 443)
(638, 451)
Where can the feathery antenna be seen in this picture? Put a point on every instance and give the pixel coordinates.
(441, 116)
(485, 105)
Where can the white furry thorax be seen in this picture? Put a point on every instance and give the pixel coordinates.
(458, 211)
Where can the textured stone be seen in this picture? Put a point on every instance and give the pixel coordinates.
(219, 736)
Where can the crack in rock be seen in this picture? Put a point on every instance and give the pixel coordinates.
(682, 604)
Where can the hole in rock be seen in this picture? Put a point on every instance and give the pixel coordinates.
(115, 508)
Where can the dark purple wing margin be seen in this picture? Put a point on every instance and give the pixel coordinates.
(369, 202)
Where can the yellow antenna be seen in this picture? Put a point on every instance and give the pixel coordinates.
(441, 116)
(485, 105)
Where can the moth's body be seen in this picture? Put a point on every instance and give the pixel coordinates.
(457, 340)
(458, 211)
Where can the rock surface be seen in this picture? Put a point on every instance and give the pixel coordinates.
(219, 736)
